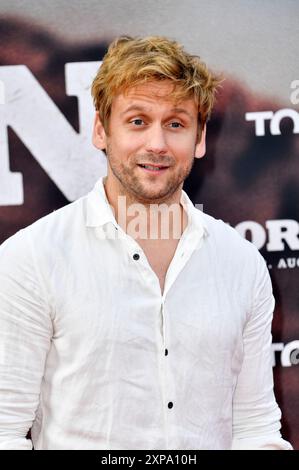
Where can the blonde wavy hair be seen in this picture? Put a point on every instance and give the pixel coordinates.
(134, 61)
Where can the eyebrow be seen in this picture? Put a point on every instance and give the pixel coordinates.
(133, 107)
(182, 111)
(136, 107)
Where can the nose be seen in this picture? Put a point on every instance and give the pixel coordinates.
(156, 140)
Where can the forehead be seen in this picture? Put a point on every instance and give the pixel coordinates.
(152, 95)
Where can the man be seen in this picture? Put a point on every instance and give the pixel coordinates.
(130, 319)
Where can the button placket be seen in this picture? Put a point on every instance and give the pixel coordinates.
(168, 392)
(138, 257)
(186, 246)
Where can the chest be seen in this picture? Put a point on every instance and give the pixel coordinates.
(159, 254)
(103, 298)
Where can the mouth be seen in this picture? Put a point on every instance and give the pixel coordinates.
(155, 169)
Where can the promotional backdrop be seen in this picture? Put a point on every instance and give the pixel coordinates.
(49, 54)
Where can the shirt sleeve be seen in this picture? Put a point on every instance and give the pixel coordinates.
(256, 415)
(25, 336)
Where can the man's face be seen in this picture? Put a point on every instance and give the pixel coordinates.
(151, 143)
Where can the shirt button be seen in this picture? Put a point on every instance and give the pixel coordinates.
(170, 404)
(136, 256)
(166, 352)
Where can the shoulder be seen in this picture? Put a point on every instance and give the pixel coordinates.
(230, 246)
(65, 218)
(236, 262)
(223, 233)
(50, 230)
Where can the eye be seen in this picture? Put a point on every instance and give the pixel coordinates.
(175, 125)
(137, 122)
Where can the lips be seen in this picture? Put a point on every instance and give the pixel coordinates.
(152, 167)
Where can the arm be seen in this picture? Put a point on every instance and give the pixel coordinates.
(256, 415)
(25, 335)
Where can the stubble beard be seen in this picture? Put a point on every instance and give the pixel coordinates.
(135, 190)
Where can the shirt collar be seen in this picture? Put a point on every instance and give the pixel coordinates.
(99, 212)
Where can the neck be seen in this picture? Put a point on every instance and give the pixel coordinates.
(163, 219)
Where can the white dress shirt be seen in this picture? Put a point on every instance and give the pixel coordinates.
(93, 356)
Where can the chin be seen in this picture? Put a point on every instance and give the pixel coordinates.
(153, 196)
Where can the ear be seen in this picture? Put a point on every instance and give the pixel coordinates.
(99, 137)
(200, 148)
